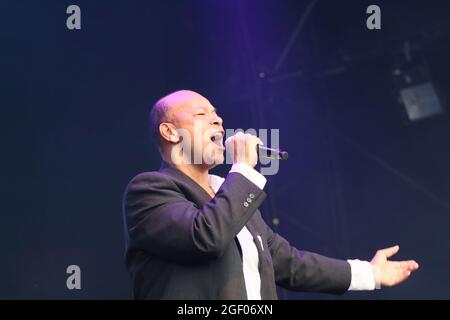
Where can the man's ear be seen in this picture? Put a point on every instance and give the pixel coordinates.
(168, 132)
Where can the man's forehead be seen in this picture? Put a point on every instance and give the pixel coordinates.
(188, 101)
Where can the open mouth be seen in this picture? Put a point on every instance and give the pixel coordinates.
(217, 138)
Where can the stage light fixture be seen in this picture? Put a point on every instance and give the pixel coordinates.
(417, 93)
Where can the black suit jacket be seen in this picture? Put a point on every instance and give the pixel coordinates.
(181, 243)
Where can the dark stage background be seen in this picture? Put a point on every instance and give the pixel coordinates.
(360, 176)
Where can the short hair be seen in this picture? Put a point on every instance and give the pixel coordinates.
(160, 111)
(158, 115)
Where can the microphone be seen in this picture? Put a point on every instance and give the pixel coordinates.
(272, 153)
(267, 152)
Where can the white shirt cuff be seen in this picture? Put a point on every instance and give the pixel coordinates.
(362, 276)
(251, 174)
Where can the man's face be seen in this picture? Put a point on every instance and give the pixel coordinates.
(197, 122)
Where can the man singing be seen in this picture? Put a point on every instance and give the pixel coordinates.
(192, 235)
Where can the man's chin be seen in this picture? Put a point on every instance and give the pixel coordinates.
(214, 161)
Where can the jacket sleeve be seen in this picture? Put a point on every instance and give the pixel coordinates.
(306, 271)
(161, 221)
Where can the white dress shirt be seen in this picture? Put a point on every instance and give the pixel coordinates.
(362, 277)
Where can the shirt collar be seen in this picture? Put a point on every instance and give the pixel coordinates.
(215, 182)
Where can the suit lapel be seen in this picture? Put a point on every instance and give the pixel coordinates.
(191, 187)
(251, 228)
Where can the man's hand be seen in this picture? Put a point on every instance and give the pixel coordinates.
(243, 147)
(390, 273)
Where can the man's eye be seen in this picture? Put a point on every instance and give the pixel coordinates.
(200, 114)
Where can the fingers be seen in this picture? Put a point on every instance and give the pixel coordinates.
(410, 265)
(404, 275)
(401, 277)
(396, 277)
(388, 252)
(243, 148)
(259, 141)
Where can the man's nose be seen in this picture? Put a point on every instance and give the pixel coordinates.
(216, 120)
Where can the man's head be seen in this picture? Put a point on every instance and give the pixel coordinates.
(186, 126)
